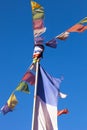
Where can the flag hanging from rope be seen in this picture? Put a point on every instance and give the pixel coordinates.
(23, 87)
(63, 111)
(10, 105)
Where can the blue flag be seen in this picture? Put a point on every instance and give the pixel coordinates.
(46, 101)
(5, 109)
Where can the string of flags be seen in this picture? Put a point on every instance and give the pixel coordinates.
(28, 78)
(48, 87)
(23, 86)
(79, 27)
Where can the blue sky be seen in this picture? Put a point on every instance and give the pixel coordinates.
(69, 60)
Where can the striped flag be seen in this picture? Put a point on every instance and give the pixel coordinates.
(46, 102)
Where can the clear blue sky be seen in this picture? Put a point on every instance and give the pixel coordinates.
(69, 60)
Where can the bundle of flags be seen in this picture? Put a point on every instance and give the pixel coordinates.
(79, 27)
(38, 22)
(48, 87)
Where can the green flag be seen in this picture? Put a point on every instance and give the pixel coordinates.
(23, 86)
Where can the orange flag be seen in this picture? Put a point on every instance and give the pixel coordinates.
(63, 111)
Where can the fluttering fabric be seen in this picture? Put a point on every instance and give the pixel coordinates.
(37, 10)
(46, 101)
(52, 43)
(62, 95)
(10, 105)
(38, 21)
(38, 32)
(38, 24)
(63, 111)
(48, 86)
(63, 36)
(5, 109)
(38, 40)
(23, 87)
(12, 101)
(79, 27)
(39, 28)
(28, 78)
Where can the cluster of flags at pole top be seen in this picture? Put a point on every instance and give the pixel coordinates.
(39, 28)
(29, 76)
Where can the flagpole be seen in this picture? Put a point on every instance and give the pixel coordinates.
(35, 93)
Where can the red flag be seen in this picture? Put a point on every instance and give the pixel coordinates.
(63, 111)
(29, 77)
(77, 28)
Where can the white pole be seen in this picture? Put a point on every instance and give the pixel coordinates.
(35, 93)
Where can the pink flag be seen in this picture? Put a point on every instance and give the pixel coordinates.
(38, 24)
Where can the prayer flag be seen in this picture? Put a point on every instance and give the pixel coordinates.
(52, 43)
(38, 40)
(5, 109)
(37, 11)
(77, 28)
(9, 106)
(12, 101)
(38, 14)
(63, 36)
(38, 32)
(35, 5)
(38, 20)
(23, 87)
(63, 111)
(38, 24)
(29, 77)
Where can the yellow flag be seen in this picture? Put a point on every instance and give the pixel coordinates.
(12, 101)
(35, 5)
